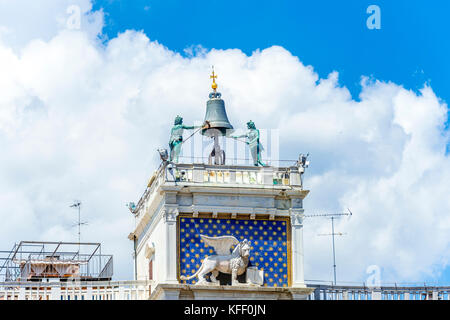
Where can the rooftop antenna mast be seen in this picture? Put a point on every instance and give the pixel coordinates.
(332, 216)
(77, 204)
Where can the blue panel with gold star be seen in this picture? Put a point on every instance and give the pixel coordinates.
(269, 245)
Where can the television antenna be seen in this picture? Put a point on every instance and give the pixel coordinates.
(332, 216)
(77, 205)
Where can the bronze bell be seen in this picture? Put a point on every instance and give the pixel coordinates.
(216, 123)
(216, 117)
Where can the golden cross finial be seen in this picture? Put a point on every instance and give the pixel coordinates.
(213, 76)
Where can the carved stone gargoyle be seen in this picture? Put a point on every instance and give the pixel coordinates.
(234, 263)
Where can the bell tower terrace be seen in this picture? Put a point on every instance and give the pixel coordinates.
(283, 184)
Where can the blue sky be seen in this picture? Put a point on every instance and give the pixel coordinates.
(410, 49)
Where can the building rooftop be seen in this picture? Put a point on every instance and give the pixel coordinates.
(38, 260)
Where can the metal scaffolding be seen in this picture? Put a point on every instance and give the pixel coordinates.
(60, 261)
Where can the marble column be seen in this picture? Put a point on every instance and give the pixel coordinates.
(170, 221)
(298, 279)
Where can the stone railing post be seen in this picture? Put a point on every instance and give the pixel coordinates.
(376, 295)
(294, 177)
(435, 295)
(317, 294)
(267, 173)
(344, 294)
(55, 292)
(22, 293)
(197, 172)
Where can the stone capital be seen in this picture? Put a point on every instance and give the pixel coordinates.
(297, 219)
(170, 213)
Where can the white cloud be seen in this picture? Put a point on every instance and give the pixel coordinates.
(24, 20)
(82, 120)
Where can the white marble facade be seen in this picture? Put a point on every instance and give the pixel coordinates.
(187, 190)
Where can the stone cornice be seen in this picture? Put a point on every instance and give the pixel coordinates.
(193, 292)
(235, 189)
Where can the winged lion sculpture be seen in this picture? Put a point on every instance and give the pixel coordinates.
(234, 263)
